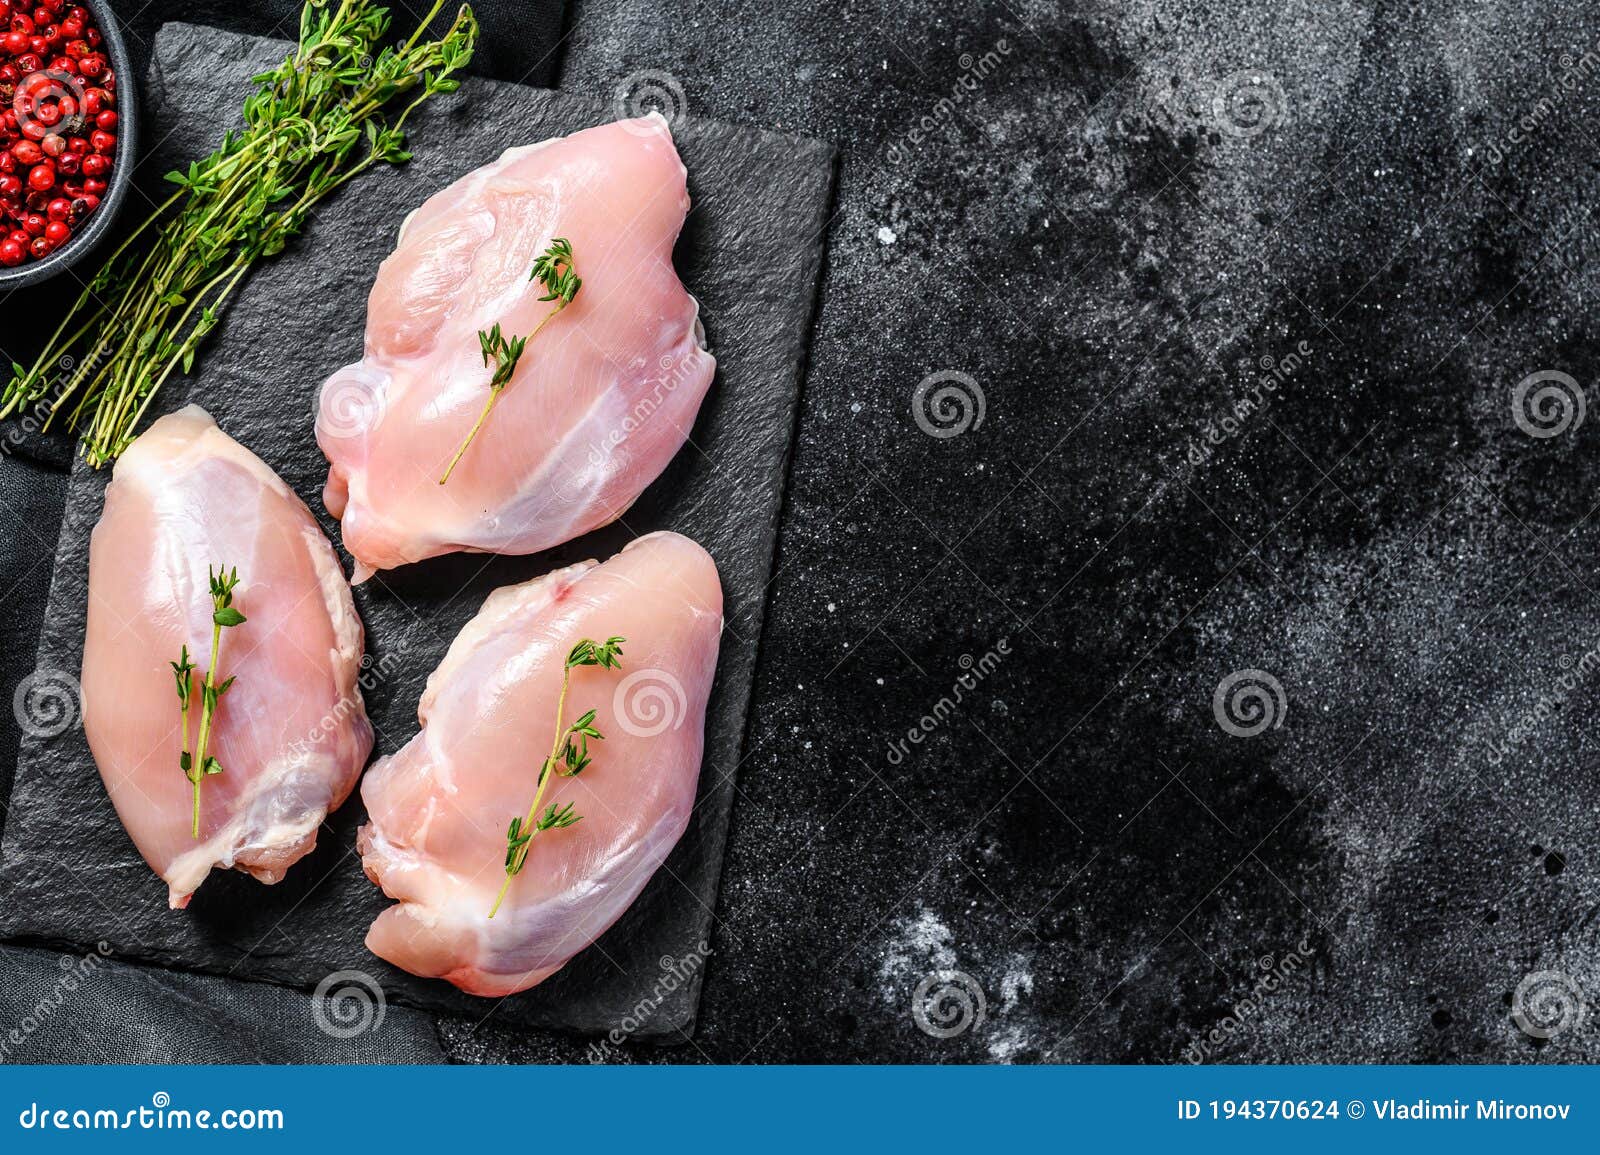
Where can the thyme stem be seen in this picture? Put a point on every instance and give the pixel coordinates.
(538, 795)
(197, 772)
(201, 764)
(483, 415)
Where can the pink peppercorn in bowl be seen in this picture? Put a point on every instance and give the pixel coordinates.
(68, 117)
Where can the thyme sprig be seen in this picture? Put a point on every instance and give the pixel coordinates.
(314, 123)
(200, 765)
(504, 354)
(552, 269)
(569, 757)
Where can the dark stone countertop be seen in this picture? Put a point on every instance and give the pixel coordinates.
(1248, 291)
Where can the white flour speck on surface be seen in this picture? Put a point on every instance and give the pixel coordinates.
(1018, 1031)
(920, 944)
(1018, 982)
(1006, 1043)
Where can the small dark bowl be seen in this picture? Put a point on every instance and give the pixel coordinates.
(100, 221)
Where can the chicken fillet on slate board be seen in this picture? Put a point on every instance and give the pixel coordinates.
(750, 252)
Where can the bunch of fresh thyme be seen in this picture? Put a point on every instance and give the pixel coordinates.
(315, 122)
(567, 758)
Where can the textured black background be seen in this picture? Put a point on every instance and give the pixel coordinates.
(1087, 239)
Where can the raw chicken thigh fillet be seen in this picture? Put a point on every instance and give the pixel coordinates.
(441, 805)
(292, 733)
(602, 397)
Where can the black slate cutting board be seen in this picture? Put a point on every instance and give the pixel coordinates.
(751, 252)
